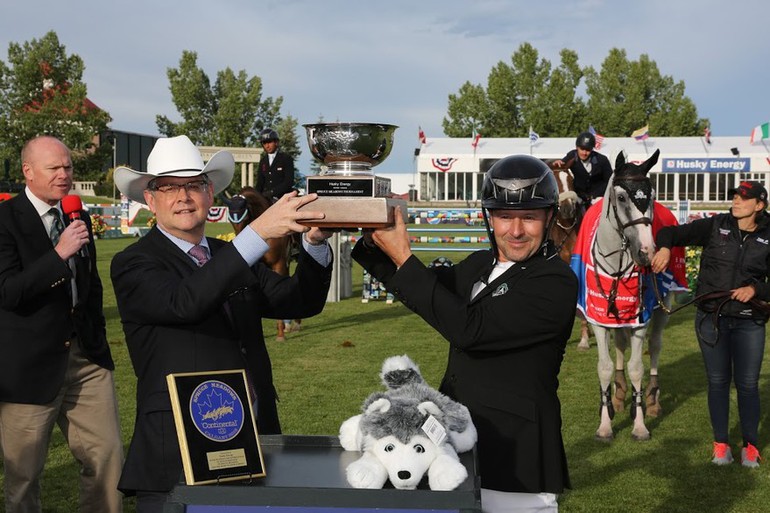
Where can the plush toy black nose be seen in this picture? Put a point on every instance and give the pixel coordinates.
(404, 474)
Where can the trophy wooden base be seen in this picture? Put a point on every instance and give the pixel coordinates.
(344, 212)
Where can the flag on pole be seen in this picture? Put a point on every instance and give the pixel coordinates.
(475, 139)
(707, 135)
(760, 132)
(641, 134)
(598, 137)
(533, 137)
(421, 135)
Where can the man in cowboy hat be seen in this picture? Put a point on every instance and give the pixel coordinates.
(180, 315)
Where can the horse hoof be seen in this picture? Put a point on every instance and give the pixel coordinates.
(604, 438)
(643, 437)
(583, 346)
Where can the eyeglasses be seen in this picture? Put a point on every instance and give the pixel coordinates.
(196, 186)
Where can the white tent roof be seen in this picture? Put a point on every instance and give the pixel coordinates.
(557, 147)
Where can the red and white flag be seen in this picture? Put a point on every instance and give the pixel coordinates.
(421, 136)
(598, 137)
(707, 135)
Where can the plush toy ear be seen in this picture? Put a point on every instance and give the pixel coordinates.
(430, 408)
(380, 405)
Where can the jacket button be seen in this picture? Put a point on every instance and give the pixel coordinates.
(67, 344)
(243, 350)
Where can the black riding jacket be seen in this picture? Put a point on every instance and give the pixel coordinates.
(590, 185)
(729, 259)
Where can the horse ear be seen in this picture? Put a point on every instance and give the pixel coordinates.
(225, 199)
(620, 160)
(650, 162)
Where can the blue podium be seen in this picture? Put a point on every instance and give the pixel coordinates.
(307, 474)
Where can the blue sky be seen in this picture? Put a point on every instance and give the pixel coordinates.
(396, 61)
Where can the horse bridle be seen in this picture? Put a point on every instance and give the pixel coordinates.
(623, 268)
(234, 213)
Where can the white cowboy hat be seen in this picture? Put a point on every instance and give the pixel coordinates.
(175, 156)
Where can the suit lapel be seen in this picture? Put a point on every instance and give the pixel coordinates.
(31, 225)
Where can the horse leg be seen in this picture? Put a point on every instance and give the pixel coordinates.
(583, 345)
(604, 368)
(652, 392)
(295, 325)
(635, 374)
(281, 335)
(621, 386)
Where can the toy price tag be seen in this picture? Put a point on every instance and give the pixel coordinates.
(435, 431)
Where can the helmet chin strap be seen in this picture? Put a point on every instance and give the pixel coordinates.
(495, 250)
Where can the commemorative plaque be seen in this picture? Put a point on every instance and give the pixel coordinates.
(349, 194)
(215, 425)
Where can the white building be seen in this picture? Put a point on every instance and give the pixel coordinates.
(450, 169)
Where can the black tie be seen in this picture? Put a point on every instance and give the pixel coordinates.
(56, 227)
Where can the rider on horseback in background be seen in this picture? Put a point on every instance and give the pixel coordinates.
(591, 170)
(275, 176)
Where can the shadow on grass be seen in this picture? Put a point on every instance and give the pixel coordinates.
(372, 316)
(670, 473)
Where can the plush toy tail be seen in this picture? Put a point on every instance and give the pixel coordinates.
(398, 371)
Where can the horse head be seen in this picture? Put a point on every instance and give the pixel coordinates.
(244, 207)
(629, 198)
(568, 199)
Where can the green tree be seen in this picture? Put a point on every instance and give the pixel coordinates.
(622, 97)
(627, 95)
(231, 112)
(527, 92)
(42, 92)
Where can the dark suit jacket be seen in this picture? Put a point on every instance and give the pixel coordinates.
(36, 313)
(175, 320)
(590, 185)
(276, 180)
(506, 349)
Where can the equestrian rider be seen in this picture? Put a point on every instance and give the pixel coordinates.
(507, 314)
(275, 175)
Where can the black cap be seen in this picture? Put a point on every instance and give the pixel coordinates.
(749, 190)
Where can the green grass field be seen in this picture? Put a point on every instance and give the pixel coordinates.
(324, 372)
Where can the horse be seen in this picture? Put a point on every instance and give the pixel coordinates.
(620, 247)
(243, 208)
(564, 231)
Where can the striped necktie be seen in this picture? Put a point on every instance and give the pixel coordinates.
(57, 226)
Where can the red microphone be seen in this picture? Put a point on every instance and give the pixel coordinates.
(71, 206)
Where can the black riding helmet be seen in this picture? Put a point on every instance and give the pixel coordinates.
(586, 141)
(267, 135)
(519, 182)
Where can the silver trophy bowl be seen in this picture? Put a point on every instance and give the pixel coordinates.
(350, 148)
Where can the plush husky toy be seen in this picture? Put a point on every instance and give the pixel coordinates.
(406, 431)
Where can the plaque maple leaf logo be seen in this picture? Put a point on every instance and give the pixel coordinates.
(215, 407)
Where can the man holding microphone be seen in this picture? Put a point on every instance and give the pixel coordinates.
(56, 366)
